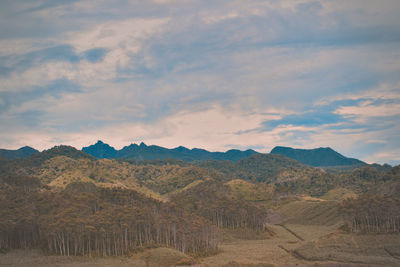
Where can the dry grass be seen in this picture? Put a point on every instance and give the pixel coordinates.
(311, 212)
(339, 194)
(323, 246)
(380, 249)
(314, 232)
(34, 258)
(246, 234)
(331, 264)
(158, 257)
(264, 251)
(164, 257)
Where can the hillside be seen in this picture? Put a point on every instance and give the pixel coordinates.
(318, 157)
(260, 168)
(144, 152)
(287, 175)
(22, 152)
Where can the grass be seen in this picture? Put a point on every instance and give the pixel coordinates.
(34, 258)
(342, 247)
(164, 257)
(158, 257)
(261, 251)
(311, 212)
(339, 194)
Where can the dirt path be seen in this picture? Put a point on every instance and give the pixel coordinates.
(292, 232)
(391, 254)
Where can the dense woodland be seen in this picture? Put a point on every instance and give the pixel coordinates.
(96, 221)
(212, 200)
(372, 213)
(70, 203)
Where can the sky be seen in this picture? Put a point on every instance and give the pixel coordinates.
(209, 74)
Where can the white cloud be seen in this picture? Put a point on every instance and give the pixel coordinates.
(368, 109)
(118, 34)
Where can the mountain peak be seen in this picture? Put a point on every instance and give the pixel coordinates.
(142, 144)
(28, 148)
(100, 150)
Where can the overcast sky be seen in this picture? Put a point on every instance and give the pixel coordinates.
(209, 74)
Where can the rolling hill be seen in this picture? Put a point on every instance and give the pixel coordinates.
(22, 152)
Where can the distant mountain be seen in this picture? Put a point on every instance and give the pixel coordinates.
(144, 152)
(23, 152)
(318, 157)
(101, 150)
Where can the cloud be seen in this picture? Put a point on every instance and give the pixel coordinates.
(55, 89)
(370, 109)
(202, 73)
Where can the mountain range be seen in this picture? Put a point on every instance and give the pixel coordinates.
(318, 157)
(145, 152)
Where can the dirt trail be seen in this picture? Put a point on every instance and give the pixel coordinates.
(290, 231)
(391, 254)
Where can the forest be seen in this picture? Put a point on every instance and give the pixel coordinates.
(371, 213)
(95, 221)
